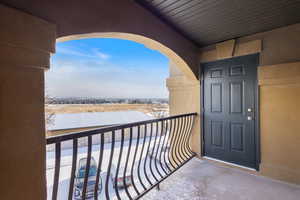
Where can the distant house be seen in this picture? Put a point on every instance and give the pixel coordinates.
(73, 122)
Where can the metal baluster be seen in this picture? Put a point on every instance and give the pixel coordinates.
(98, 177)
(126, 164)
(118, 165)
(187, 141)
(165, 145)
(146, 158)
(175, 147)
(56, 170)
(182, 136)
(87, 167)
(178, 141)
(151, 170)
(134, 157)
(160, 147)
(155, 159)
(186, 138)
(109, 164)
(183, 139)
(141, 156)
(73, 170)
(171, 144)
(190, 133)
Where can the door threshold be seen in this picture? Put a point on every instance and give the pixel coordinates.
(229, 163)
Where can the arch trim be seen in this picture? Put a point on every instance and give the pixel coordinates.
(148, 42)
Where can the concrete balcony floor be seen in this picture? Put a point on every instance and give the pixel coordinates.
(204, 180)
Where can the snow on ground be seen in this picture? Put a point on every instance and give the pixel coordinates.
(66, 162)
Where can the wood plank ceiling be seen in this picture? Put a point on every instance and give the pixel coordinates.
(210, 21)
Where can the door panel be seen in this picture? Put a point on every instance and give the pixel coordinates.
(237, 137)
(217, 134)
(229, 91)
(216, 97)
(236, 97)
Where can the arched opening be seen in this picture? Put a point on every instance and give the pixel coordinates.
(178, 66)
(129, 133)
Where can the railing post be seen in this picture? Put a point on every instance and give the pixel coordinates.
(158, 187)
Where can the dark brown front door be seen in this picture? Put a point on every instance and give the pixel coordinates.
(229, 102)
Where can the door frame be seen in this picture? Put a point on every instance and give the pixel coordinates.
(257, 111)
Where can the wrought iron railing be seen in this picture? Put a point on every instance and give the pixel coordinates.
(119, 162)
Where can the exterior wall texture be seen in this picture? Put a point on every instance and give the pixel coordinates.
(276, 46)
(279, 86)
(280, 128)
(25, 46)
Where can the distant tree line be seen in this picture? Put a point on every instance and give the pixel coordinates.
(88, 100)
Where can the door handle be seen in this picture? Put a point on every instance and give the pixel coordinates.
(249, 118)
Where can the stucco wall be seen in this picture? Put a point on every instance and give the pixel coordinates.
(280, 121)
(25, 46)
(279, 46)
(279, 85)
(22, 143)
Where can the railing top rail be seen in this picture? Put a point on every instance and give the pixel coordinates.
(70, 136)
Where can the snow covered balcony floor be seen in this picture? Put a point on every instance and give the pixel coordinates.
(204, 180)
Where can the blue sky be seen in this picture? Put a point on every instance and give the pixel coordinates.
(107, 68)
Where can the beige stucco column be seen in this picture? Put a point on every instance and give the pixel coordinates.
(279, 87)
(25, 46)
(184, 97)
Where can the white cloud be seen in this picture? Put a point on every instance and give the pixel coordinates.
(95, 53)
(102, 55)
(69, 51)
(90, 72)
(70, 78)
